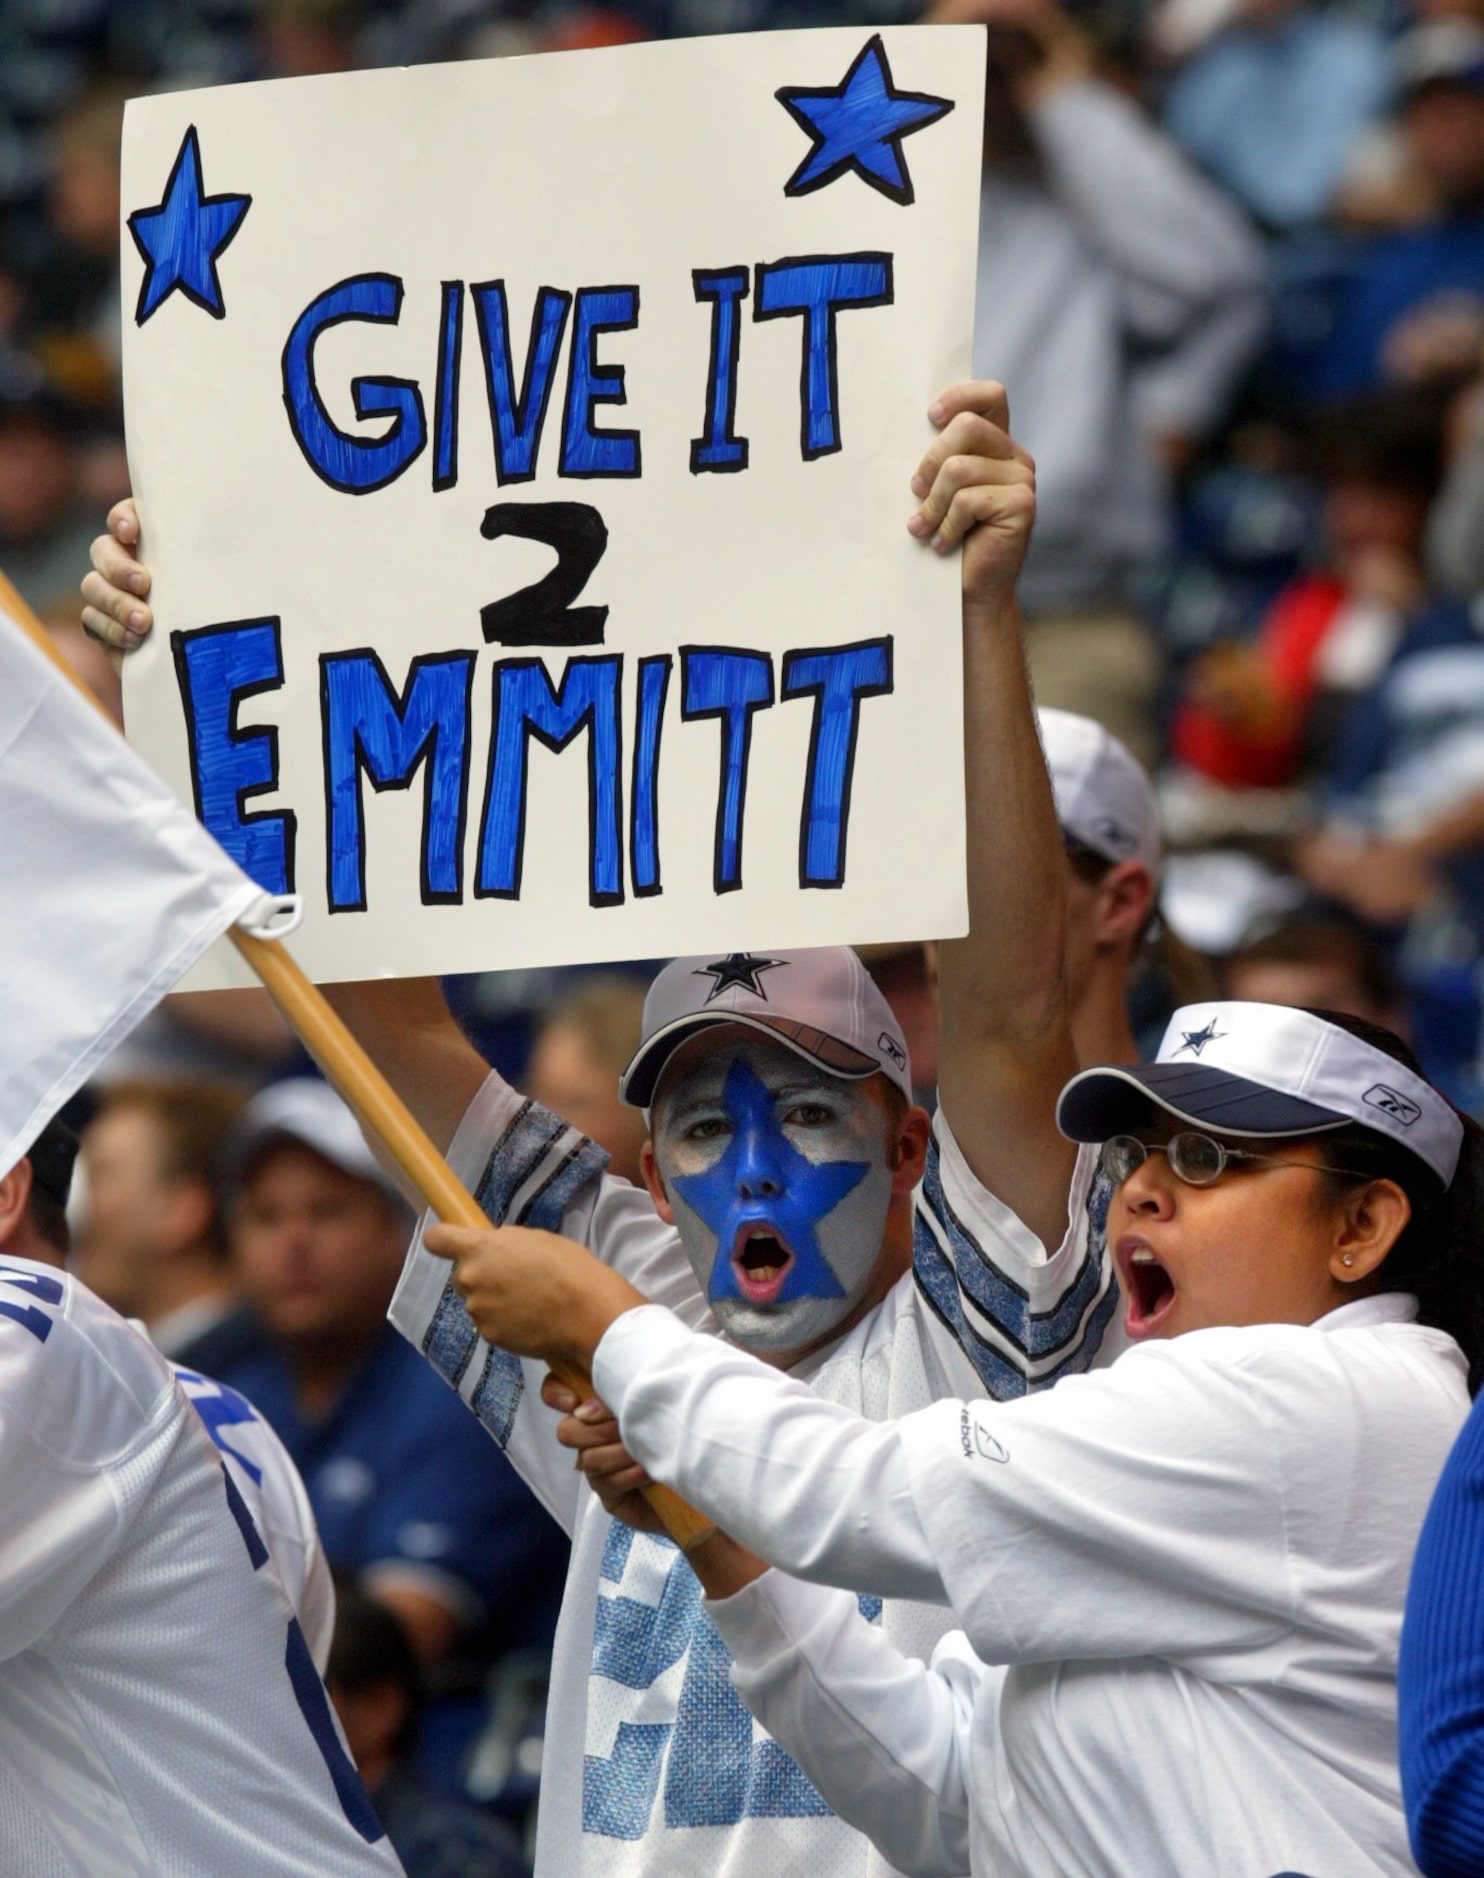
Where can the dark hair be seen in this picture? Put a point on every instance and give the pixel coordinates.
(1185, 972)
(194, 1121)
(49, 1221)
(1392, 439)
(1440, 1253)
(1322, 938)
(371, 1647)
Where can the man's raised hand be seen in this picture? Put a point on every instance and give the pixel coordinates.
(976, 487)
(114, 611)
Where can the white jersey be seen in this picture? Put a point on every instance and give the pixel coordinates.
(160, 1715)
(652, 1764)
(1190, 1568)
(274, 1495)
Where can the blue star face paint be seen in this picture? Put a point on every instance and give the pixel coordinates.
(780, 1179)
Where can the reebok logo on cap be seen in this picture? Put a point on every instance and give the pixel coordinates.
(1391, 1102)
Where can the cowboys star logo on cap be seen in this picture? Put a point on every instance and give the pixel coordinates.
(824, 1008)
(738, 968)
(1196, 1040)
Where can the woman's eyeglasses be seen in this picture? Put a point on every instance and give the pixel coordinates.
(1196, 1159)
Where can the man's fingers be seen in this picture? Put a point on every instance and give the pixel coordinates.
(116, 563)
(1013, 505)
(1003, 482)
(583, 1436)
(984, 396)
(118, 619)
(556, 1395)
(451, 1242)
(968, 436)
(123, 521)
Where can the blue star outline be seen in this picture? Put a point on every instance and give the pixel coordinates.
(859, 125)
(737, 968)
(1196, 1040)
(182, 238)
(762, 1179)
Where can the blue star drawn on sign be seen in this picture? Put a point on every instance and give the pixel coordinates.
(762, 1179)
(737, 968)
(182, 239)
(1196, 1040)
(859, 125)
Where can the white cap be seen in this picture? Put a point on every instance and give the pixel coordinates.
(1440, 51)
(820, 1001)
(1104, 798)
(1266, 1069)
(308, 1111)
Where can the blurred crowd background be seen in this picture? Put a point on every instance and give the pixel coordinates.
(1232, 272)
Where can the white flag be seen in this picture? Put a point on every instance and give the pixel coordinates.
(109, 890)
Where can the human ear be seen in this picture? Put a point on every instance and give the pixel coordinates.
(1125, 899)
(15, 1195)
(1372, 1222)
(909, 1154)
(649, 1167)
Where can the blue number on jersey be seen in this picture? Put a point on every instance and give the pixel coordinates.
(48, 1290)
(309, 1692)
(716, 1775)
(220, 1406)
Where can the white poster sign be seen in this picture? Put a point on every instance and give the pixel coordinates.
(523, 453)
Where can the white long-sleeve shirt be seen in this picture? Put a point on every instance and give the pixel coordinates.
(1187, 1569)
(653, 1767)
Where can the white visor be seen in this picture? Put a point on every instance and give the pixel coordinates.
(1266, 1069)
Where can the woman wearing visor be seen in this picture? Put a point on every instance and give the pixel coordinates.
(1180, 1578)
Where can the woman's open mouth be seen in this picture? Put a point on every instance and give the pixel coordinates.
(1147, 1287)
(762, 1263)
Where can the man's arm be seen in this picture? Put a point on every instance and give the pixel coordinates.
(1006, 1046)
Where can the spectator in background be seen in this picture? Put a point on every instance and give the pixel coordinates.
(1317, 961)
(153, 1240)
(41, 527)
(1413, 306)
(581, 1050)
(408, 1492)
(1120, 294)
(1454, 547)
(1274, 103)
(72, 303)
(375, 1683)
(1255, 715)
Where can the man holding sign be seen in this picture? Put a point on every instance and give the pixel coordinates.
(789, 1179)
(781, 1209)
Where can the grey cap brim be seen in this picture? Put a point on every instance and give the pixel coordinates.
(1110, 1101)
(815, 1046)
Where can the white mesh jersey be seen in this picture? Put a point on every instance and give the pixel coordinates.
(653, 1766)
(275, 1496)
(160, 1714)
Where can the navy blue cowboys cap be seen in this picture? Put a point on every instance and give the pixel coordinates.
(821, 1002)
(1265, 1069)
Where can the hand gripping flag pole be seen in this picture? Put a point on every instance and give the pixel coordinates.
(361, 1084)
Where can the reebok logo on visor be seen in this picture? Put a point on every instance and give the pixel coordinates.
(1391, 1103)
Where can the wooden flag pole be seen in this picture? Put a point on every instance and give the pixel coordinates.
(378, 1107)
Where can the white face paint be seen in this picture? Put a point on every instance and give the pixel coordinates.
(780, 1178)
